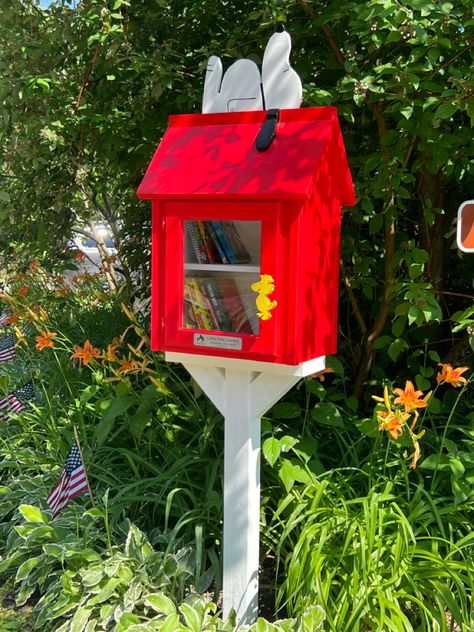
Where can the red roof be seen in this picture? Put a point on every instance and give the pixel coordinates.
(214, 154)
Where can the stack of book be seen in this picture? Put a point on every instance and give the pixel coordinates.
(215, 304)
(215, 241)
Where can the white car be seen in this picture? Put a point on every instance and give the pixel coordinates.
(90, 260)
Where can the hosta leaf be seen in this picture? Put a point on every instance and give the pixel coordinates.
(160, 603)
(105, 592)
(32, 514)
(26, 567)
(80, 619)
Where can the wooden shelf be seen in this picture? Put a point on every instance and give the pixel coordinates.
(222, 267)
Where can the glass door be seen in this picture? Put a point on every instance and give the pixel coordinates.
(221, 259)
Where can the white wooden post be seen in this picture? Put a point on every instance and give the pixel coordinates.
(241, 499)
(242, 390)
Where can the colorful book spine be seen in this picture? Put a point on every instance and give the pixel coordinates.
(215, 241)
(189, 316)
(210, 289)
(197, 243)
(234, 305)
(207, 242)
(205, 319)
(235, 241)
(224, 242)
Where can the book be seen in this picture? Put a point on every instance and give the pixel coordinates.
(212, 254)
(235, 241)
(203, 313)
(234, 305)
(189, 316)
(210, 289)
(196, 240)
(212, 235)
(223, 241)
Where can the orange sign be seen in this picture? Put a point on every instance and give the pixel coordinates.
(465, 228)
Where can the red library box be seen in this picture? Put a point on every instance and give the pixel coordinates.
(246, 213)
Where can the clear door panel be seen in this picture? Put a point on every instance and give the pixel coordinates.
(221, 261)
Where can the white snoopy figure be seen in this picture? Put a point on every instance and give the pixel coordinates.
(242, 88)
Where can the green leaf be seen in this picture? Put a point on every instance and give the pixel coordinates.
(413, 314)
(32, 514)
(396, 348)
(327, 414)
(80, 618)
(106, 592)
(191, 617)
(271, 450)
(446, 110)
(4, 197)
(332, 362)
(171, 624)
(286, 475)
(286, 410)
(117, 407)
(160, 603)
(457, 468)
(312, 619)
(382, 342)
(368, 427)
(25, 568)
(436, 462)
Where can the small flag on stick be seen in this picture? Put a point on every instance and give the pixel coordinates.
(5, 316)
(16, 401)
(7, 348)
(73, 482)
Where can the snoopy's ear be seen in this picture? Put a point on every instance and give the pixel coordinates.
(281, 84)
(211, 100)
(241, 87)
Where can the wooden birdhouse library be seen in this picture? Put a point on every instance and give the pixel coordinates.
(245, 242)
(246, 214)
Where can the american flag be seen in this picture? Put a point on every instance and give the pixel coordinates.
(4, 316)
(7, 348)
(73, 482)
(16, 401)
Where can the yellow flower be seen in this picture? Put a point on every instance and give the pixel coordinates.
(86, 353)
(451, 376)
(409, 398)
(45, 339)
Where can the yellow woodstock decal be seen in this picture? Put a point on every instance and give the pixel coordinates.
(264, 304)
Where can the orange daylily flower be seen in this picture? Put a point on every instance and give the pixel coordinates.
(409, 398)
(23, 291)
(86, 353)
(110, 354)
(451, 376)
(416, 455)
(392, 421)
(45, 339)
(128, 366)
(320, 374)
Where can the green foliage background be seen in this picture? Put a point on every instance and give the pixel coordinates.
(85, 94)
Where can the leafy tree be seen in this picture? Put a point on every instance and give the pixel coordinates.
(86, 93)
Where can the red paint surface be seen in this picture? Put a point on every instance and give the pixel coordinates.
(207, 167)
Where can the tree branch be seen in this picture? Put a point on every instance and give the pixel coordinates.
(327, 33)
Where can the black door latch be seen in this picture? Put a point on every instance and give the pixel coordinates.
(268, 130)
